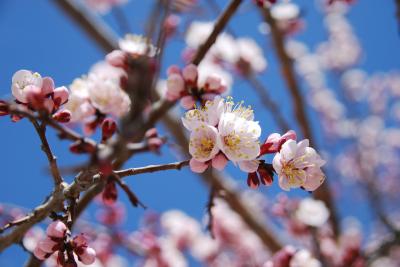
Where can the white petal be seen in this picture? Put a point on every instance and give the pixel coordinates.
(249, 165)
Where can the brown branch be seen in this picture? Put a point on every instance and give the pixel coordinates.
(37, 215)
(152, 168)
(288, 73)
(268, 103)
(99, 32)
(222, 21)
(210, 205)
(41, 131)
(63, 132)
(131, 195)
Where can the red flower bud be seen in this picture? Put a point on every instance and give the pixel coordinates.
(110, 193)
(62, 116)
(80, 147)
(252, 180)
(108, 128)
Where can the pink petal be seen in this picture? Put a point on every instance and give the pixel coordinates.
(249, 165)
(173, 69)
(47, 86)
(175, 84)
(190, 73)
(117, 58)
(88, 256)
(187, 102)
(40, 254)
(61, 95)
(219, 162)
(56, 229)
(197, 166)
(47, 245)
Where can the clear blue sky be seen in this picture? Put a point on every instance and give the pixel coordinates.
(36, 35)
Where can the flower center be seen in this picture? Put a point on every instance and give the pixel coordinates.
(293, 173)
(232, 141)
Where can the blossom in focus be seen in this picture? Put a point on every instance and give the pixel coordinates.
(298, 165)
(56, 239)
(222, 131)
(312, 212)
(103, 6)
(39, 94)
(21, 81)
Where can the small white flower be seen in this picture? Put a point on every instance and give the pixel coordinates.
(209, 114)
(312, 212)
(298, 165)
(20, 80)
(203, 143)
(251, 53)
(239, 135)
(285, 11)
(137, 45)
(198, 33)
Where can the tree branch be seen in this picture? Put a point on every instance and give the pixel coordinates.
(41, 131)
(152, 168)
(222, 21)
(288, 73)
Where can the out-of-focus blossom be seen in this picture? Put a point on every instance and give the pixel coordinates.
(312, 212)
(298, 165)
(137, 45)
(103, 6)
(303, 258)
(192, 84)
(287, 16)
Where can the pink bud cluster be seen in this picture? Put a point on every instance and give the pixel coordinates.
(184, 85)
(35, 93)
(57, 240)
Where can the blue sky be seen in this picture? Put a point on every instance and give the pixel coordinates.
(36, 35)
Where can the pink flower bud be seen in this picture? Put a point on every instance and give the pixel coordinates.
(108, 128)
(252, 180)
(266, 176)
(213, 83)
(171, 24)
(151, 133)
(39, 254)
(275, 141)
(47, 245)
(187, 102)
(173, 70)
(219, 162)
(110, 193)
(190, 73)
(155, 143)
(47, 86)
(56, 229)
(62, 116)
(117, 58)
(88, 256)
(61, 95)
(80, 241)
(197, 166)
(175, 85)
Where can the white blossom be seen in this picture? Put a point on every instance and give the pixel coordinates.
(312, 212)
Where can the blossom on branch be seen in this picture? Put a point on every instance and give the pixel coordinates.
(298, 165)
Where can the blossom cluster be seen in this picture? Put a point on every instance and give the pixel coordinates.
(222, 131)
(58, 240)
(32, 92)
(190, 86)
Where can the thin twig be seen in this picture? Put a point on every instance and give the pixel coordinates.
(152, 168)
(131, 195)
(41, 131)
(210, 205)
(222, 21)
